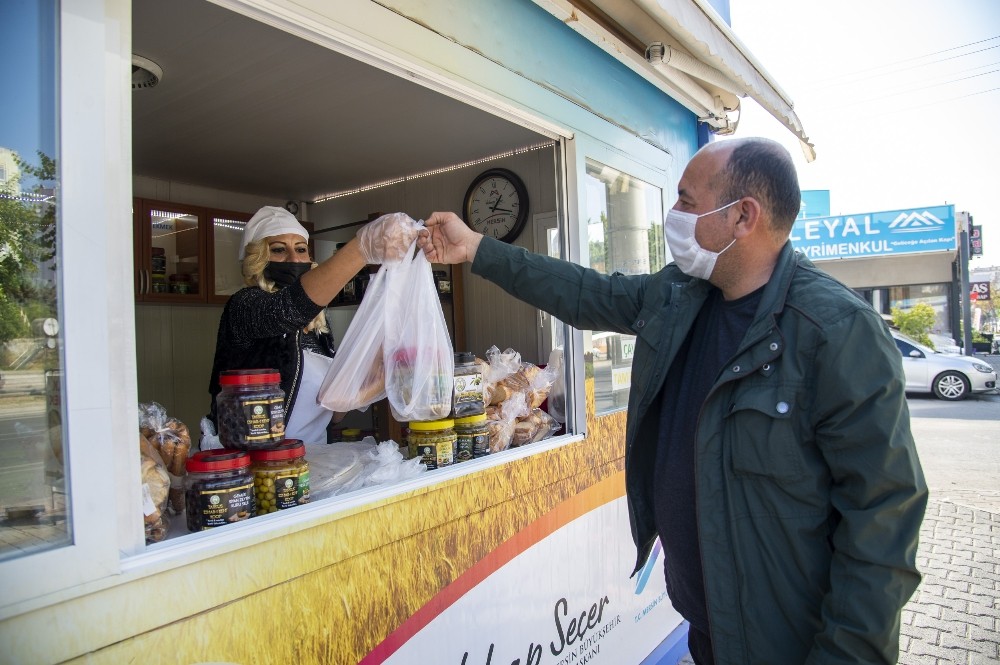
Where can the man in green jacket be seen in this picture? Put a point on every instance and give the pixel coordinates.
(768, 443)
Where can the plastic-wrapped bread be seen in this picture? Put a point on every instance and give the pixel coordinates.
(155, 491)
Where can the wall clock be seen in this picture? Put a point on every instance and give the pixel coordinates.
(496, 204)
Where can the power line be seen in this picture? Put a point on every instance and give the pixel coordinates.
(936, 102)
(855, 73)
(920, 88)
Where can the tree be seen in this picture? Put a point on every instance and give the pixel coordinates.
(27, 241)
(915, 322)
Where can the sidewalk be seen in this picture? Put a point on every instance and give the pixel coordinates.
(954, 617)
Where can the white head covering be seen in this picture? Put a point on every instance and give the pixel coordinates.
(270, 221)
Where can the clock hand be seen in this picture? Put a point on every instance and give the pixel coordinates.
(503, 210)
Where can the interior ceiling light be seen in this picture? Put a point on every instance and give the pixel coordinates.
(145, 73)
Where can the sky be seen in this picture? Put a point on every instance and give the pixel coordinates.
(900, 97)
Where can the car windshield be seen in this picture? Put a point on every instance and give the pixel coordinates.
(910, 340)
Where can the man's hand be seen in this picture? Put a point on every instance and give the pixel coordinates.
(447, 239)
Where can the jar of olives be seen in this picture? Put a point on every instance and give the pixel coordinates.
(251, 409)
(433, 441)
(473, 437)
(218, 489)
(468, 397)
(280, 476)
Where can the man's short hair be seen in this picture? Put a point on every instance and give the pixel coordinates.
(763, 169)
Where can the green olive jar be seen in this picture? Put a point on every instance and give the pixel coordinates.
(280, 476)
(473, 437)
(433, 441)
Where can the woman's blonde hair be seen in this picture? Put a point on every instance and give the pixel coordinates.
(257, 255)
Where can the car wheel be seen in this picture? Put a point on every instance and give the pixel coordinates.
(951, 386)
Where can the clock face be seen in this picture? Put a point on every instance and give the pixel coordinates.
(496, 204)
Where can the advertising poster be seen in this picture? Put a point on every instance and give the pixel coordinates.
(516, 608)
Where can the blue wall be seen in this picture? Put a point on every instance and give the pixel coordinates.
(529, 41)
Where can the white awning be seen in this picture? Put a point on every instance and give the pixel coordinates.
(685, 48)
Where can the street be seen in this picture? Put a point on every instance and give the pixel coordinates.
(958, 443)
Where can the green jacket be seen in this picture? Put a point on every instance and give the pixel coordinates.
(810, 494)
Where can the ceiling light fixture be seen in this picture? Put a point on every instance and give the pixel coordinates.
(145, 73)
(424, 174)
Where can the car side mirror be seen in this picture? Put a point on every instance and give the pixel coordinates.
(916, 354)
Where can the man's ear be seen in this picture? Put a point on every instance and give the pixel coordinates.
(750, 217)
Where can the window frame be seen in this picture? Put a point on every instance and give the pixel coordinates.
(98, 404)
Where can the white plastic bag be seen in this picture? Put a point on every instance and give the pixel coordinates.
(356, 377)
(418, 355)
(557, 394)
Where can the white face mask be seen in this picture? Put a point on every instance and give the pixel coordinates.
(691, 258)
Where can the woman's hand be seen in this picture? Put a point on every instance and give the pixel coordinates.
(386, 239)
(447, 239)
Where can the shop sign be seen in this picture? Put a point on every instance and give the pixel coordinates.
(815, 203)
(975, 239)
(627, 346)
(979, 291)
(888, 233)
(621, 378)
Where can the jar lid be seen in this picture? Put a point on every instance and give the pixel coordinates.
(217, 460)
(471, 420)
(464, 357)
(429, 425)
(249, 377)
(287, 449)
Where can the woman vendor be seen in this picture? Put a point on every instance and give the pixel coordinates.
(278, 320)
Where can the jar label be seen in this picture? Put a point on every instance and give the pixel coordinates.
(469, 389)
(278, 490)
(265, 419)
(473, 445)
(211, 508)
(435, 455)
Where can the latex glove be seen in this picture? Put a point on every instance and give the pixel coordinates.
(386, 239)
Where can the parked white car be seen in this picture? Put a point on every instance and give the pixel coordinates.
(947, 375)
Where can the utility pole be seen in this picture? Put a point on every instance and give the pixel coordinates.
(963, 252)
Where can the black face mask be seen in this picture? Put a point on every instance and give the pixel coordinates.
(285, 273)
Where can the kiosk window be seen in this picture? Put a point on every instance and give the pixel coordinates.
(625, 234)
(33, 499)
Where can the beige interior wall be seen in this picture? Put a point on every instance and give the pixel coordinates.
(174, 349)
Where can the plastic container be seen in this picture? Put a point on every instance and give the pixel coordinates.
(251, 409)
(472, 438)
(433, 441)
(280, 476)
(180, 283)
(467, 396)
(218, 489)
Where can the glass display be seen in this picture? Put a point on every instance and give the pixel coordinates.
(175, 250)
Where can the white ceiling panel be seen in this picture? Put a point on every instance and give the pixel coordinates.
(245, 107)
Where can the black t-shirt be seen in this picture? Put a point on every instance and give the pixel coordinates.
(713, 340)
